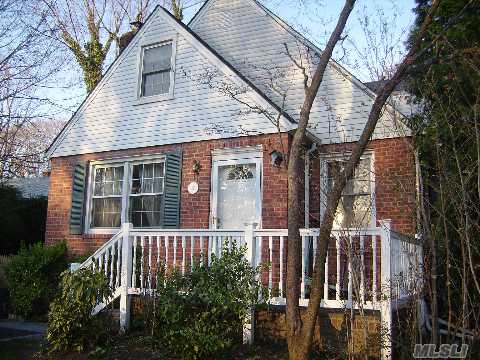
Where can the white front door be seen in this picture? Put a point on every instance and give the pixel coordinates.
(236, 192)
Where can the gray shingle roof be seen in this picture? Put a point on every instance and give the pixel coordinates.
(375, 85)
(31, 187)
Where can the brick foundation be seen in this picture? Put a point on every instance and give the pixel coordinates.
(330, 330)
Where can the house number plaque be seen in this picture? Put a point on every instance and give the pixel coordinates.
(193, 187)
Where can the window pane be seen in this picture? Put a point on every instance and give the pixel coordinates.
(147, 186)
(137, 171)
(108, 181)
(98, 189)
(136, 219)
(145, 211)
(108, 188)
(99, 174)
(158, 185)
(117, 187)
(106, 212)
(136, 186)
(109, 174)
(157, 58)
(156, 83)
(148, 171)
(118, 173)
(136, 203)
(159, 169)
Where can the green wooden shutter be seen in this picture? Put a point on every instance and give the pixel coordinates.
(173, 179)
(78, 198)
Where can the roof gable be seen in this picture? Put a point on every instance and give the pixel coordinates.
(263, 47)
(111, 113)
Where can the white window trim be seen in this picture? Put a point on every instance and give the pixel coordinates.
(127, 162)
(324, 158)
(160, 97)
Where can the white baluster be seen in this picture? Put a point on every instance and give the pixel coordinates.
(362, 269)
(119, 257)
(325, 281)
(192, 246)
(302, 285)
(105, 263)
(209, 249)
(183, 254)
(149, 261)
(112, 263)
(166, 251)
(134, 267)
(157, 238)
(142, 260)
(202, 255)
(175, 251)
(337, 286)
(282, 239)
(350, 273)
(374, 272)
(270, 268)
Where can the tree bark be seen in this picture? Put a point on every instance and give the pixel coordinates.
(300, 333)
(298, 347)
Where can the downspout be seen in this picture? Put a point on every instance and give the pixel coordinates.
(307, 184)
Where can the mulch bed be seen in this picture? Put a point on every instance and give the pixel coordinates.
(139, 347)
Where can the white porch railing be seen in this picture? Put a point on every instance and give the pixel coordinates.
(365, 268)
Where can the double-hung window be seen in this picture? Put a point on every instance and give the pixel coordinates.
(157, 70)
(127, 191)
(356, 206)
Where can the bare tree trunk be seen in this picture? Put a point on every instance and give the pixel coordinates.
(300, 333)
(298, 346)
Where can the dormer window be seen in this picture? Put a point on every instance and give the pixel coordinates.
(157, 70)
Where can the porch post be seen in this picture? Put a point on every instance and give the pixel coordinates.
(126, 278)
(385, 297)
(250, 241)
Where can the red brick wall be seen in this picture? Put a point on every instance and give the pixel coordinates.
(394, 173)
(394, 182)
(194, 209)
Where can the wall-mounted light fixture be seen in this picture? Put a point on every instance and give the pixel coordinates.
(276, 158)
(196, 167)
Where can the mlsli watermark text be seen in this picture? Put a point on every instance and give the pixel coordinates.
(444, 351)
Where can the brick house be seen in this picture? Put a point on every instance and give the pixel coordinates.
(185, 139)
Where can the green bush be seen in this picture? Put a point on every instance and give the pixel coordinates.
(71, 325)
(32, 277)
(202, 313)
